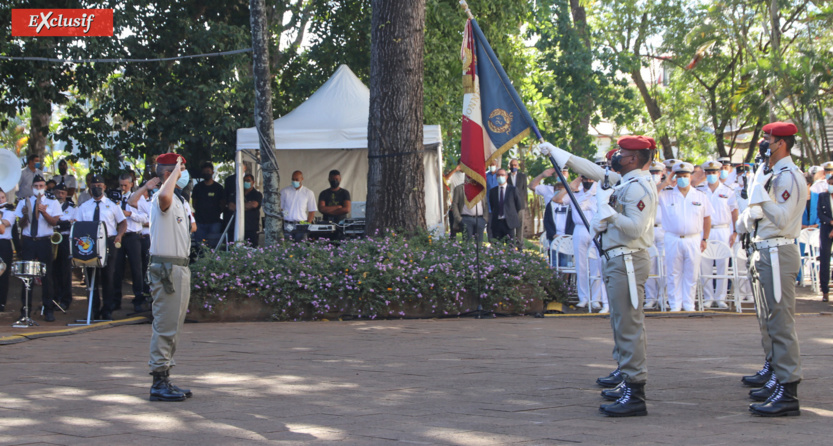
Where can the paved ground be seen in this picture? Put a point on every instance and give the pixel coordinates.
(456, 381)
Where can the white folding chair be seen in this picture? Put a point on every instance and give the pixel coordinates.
(593, 255)
(545, 244)
(563, 245)
(813, 248)
(659, 277)
(741, 277)
(715, 250)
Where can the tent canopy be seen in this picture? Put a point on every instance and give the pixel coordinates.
(329, 131)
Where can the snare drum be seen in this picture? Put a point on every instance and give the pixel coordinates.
(89, 244)
(28, 268)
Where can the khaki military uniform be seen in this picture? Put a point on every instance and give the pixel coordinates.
(774, 245)
(629, 235)
(169, 277)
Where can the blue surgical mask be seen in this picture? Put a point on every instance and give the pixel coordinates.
(827, 176)
(683, 182)
(247, 185)
(501, 180)
(38, 166)
(711, 178)
(183, 180)
(830, 188)
(296, 184)
(492, 169)
(724, 174)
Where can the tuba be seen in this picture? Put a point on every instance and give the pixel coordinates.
(9, 177)
(56, 240)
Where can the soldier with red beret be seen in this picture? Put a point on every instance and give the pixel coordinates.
(625, 219)
(773, 220)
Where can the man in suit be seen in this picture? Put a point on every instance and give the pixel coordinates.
(825, 219)
(506, 206)
(518, 180)
(471, 221)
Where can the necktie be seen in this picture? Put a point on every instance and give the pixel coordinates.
(500, 203)
(97, 213)
(33, 229)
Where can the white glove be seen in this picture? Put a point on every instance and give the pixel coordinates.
(759, 194)
(761, 177)
(597, 226)
(561, 156)
(603, 208)
(750, 215)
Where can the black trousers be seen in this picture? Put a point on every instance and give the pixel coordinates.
(62, 273)
(6, 255)
(103, 296)
(501, 230)
(145, 261)
(39, 250)
(252, 237)
(824, 260)
(131, 251)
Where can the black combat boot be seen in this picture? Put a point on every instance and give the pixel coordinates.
(614, 393)
(611, 380)
(758, 379)
(782, 403)
(186, 392)
(631, 404)
(162, 390)
(766, 391)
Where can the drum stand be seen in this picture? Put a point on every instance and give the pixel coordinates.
(26, 322)
(89, 320)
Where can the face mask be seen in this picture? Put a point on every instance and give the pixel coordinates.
(724, 174)
(492, 169)
(763, 149)
(587, 184)
(38, 192)
(38, 166)
(501, 180)
(207, 176)
(247, 185)
(62, 170)
(97, 192)
(657, 178)
(683, 182)
(514, 169)
(711, 178)
(334, 183)
(616, 162)
(183, 180)
(828, 175)
(830, 188)
(153, 191)
(296, 184)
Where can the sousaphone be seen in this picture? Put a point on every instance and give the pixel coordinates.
(9, 177)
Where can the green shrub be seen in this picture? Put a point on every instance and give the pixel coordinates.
(372, 277)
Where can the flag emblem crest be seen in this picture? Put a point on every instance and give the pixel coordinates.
(500, 121)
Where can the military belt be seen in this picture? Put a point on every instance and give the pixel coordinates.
(178, 261)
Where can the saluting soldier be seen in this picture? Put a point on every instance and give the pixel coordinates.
(773, 219)
(723, 218)
(38, 216)
(101, 209)
(627, 228)
(170, 277)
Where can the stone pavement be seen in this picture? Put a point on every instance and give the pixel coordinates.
(497, 381)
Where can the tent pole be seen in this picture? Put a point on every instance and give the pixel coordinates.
(239, 199)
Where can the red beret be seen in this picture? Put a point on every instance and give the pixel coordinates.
(634, 142)
(780, 128)
(169, 158)
(652, 142)
(610, 153)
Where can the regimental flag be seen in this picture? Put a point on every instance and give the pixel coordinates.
(494, 117)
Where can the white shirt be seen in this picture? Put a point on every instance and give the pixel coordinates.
(559, 216)
(24, 186)
(476, 211)
(136, 219)
(456, 179)
(53, 208)
(723, 201)
(7, 215)
(587, 202)
(546, 192)
(297, 203)
(144, 208)
(109, 213)
(683, 215)
(170, 230)
(68, 180)
(819, 186)
(67, 215)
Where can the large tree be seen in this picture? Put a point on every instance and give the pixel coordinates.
(396, 174)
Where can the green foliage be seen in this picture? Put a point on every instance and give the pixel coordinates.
(374, 277)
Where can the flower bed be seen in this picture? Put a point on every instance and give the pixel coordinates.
(388, 277)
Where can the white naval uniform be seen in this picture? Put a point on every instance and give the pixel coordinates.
(682, 219)
(723, 201)
(582, 243)
(652, 286)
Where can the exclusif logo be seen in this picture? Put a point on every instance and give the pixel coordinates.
(62, 22)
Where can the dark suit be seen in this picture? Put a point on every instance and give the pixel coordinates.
(825, 214)
(520, 183)
(504, 227)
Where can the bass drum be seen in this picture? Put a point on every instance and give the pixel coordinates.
(88, 240)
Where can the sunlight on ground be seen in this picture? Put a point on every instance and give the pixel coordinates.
(467, 438)
(118, 398)
(76, 421)
(153, 422)
(817, 411)
(277, 384)
(17, 422)
(319, 432)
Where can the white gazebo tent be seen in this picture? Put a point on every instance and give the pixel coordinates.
(329, 131)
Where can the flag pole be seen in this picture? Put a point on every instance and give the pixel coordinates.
(531, 123)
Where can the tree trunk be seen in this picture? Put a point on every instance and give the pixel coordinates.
(273, 226)
(396, 174)
(41, 115)
(653, 111)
